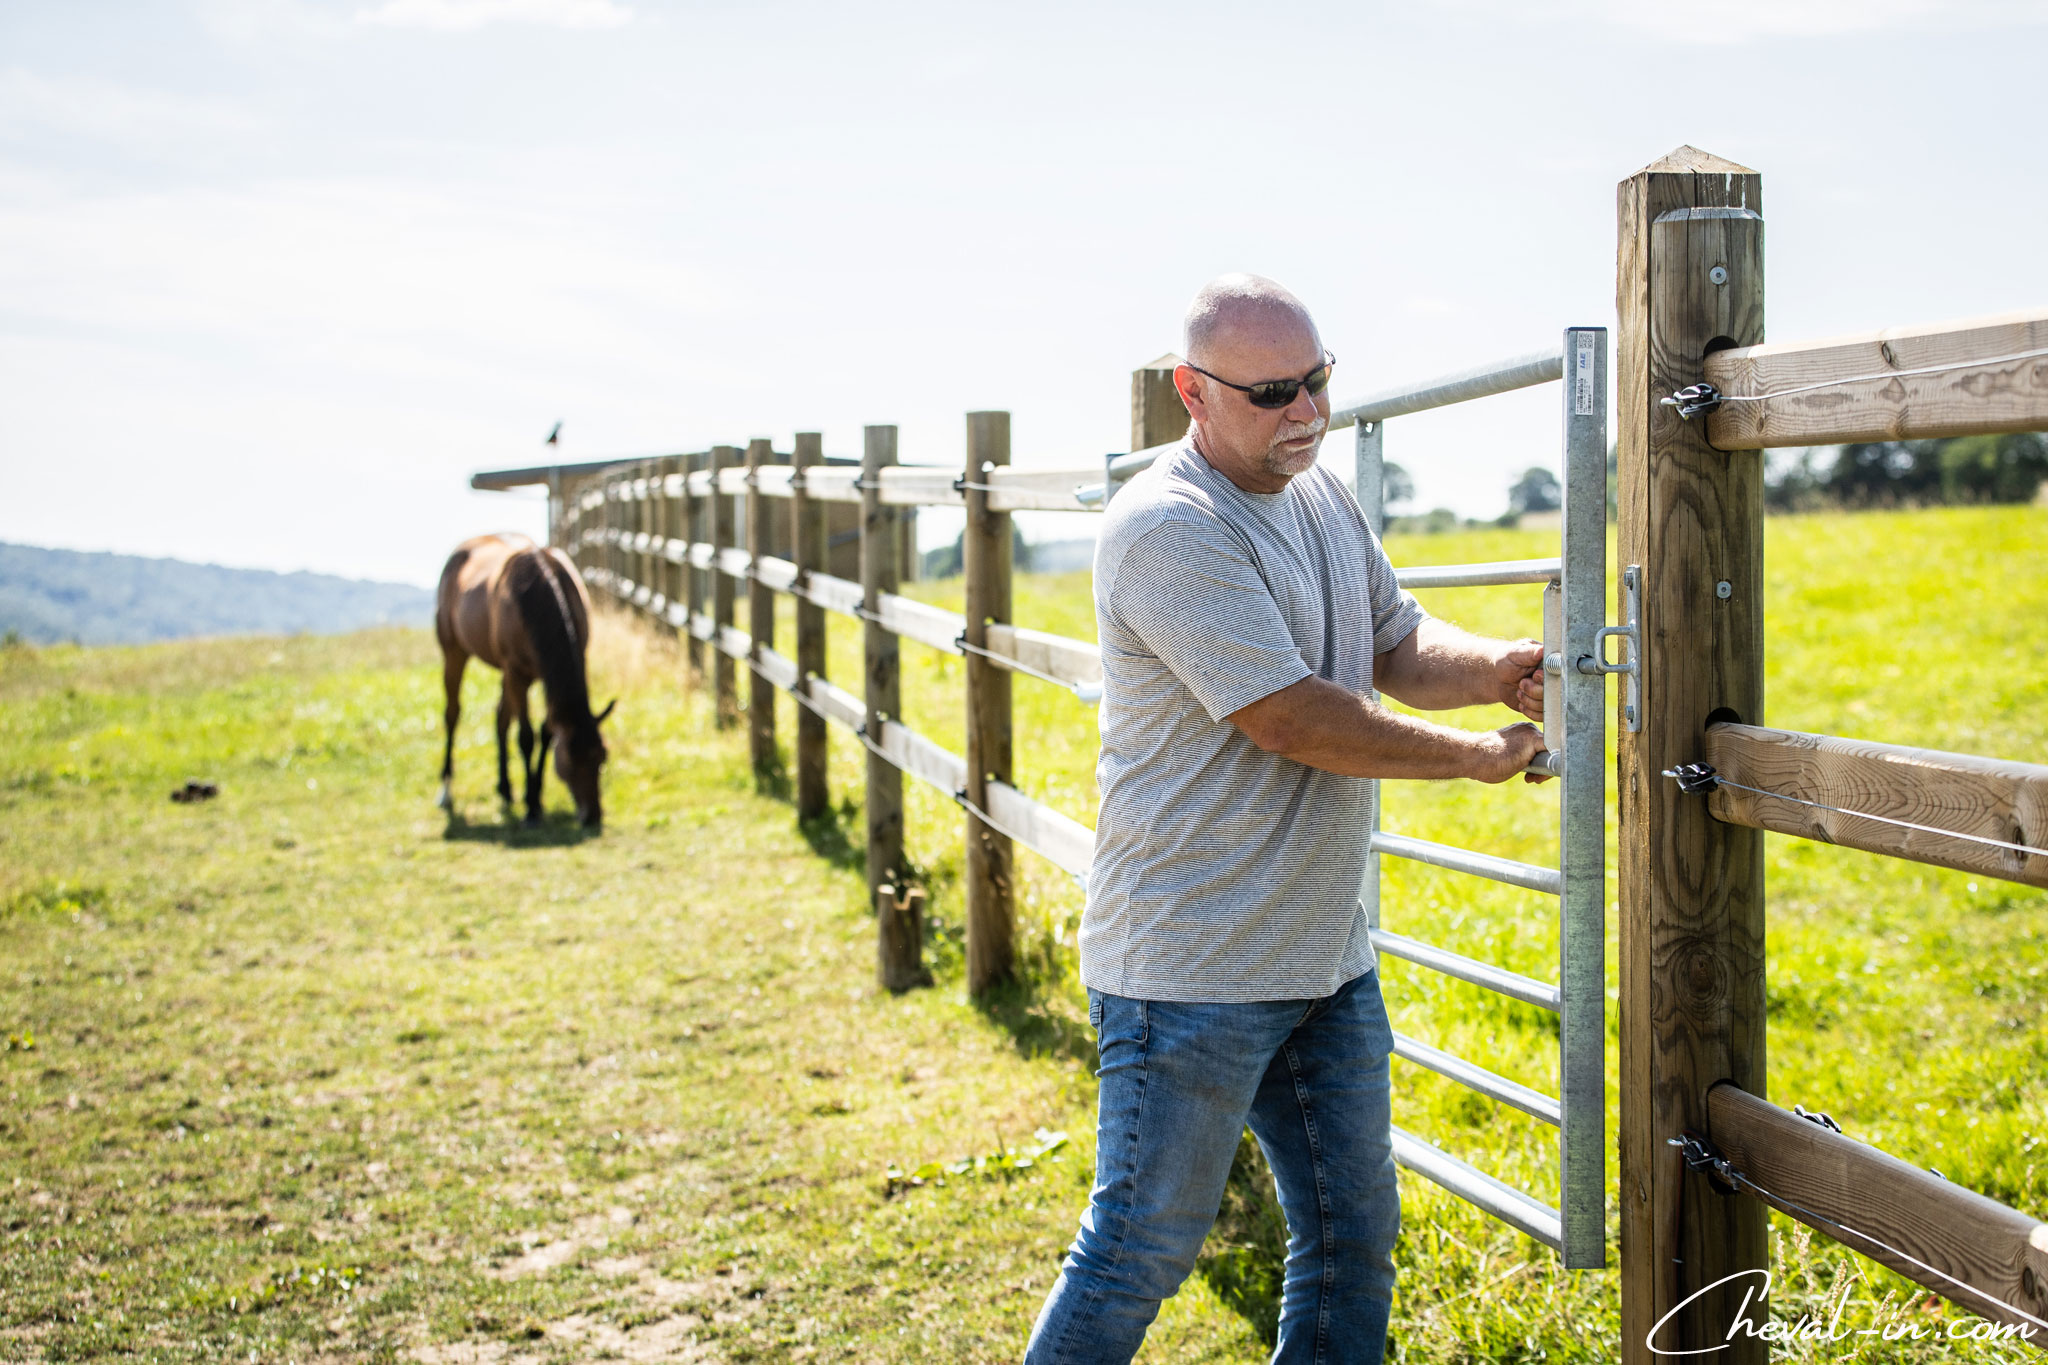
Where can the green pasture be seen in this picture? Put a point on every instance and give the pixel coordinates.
(314, 1072)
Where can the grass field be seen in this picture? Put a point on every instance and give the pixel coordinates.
(312, 1072)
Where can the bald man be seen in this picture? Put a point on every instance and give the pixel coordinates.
(1247, 613)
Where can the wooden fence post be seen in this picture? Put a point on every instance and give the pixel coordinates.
(1157, 414)
(650, 522)
(693, 577)
(985, 556)
(671, 532)
(760, 614)
(611, 535)
(1690, 281)
(621, 522)
(601, 523)
(727, 697)
(807, 548)
(636, 511)
(899, 940)
(643, 526)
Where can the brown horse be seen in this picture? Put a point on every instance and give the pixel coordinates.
(524, 611)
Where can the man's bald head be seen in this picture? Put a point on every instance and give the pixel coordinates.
(1233, 305)
(1244, 330)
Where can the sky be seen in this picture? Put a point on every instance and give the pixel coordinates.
(277, 276)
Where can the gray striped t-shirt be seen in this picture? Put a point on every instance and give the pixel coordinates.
(1222, 872)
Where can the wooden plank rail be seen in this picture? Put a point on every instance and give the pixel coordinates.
(1060, 658)
(1874, 1202)
(1970, 378)
(1989, 798)
(1076, 663)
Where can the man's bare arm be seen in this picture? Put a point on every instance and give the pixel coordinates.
(1318, 723)
(1440, 668)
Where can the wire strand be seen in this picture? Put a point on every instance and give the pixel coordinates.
(1021, 667)
(1728, 1168)
(1888, 374)
(1882, 819)
(960, 797)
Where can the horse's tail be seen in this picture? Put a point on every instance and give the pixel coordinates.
(444, 599)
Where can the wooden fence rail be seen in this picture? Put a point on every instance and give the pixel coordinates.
(1847, 791)
(1971, 1250)
(1978, 377)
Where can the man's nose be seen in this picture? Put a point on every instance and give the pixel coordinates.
(1304, 408)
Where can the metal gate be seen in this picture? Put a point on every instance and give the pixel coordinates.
(1575, 729)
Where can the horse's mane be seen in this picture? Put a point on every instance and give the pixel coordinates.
(557, 641)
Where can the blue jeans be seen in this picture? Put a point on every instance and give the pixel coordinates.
(1180, 1082)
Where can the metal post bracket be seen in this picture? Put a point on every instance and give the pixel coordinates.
(1630, 633)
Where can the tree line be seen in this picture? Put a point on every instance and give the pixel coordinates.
(1962, 470)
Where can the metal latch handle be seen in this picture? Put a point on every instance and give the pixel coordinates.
(1630, 632)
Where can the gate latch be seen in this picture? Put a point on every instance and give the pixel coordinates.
(1630, 633)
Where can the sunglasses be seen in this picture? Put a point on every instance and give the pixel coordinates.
(1278, 393)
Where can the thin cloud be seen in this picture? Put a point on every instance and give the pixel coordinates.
(461, 16)
(1742, 21)
(103, 111)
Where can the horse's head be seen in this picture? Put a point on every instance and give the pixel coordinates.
(579, 758)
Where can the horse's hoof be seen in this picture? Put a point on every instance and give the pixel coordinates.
(445, 801)
(533, 820)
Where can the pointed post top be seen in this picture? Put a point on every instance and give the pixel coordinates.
(1690, 160)
(1688, 178)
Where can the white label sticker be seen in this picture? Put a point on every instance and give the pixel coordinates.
(1582, 378)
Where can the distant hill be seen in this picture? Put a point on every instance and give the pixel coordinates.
(1038, 556)
(47, 596)
(1062, 556)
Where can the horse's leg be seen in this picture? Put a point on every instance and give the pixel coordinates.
(453, 661)
(540, 761)
(504, 724)
(527, 768)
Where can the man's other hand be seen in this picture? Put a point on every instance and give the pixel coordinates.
(1518, 677)
(1500, 755)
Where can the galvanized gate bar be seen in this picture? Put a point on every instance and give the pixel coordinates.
(1480, 575)
(1491, 1084)
(1512, 1206)
(1465, 860)
(1461, 386)
(1497, 979)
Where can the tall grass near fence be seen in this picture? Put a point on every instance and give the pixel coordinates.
(311, 1071)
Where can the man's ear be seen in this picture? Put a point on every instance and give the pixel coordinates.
(1192, 391)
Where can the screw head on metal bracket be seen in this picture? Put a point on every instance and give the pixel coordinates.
(1694, 400)
(1694, 779)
